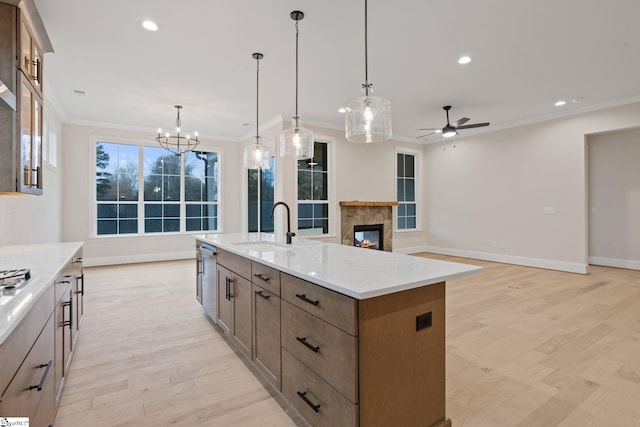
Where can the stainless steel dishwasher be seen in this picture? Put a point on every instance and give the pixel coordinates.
(209, 280)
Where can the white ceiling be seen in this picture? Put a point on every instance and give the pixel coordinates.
(526, 55)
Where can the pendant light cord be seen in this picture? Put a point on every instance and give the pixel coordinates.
(297, 117)
(366, 84)
(257, 97)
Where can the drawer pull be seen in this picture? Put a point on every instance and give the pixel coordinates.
(303, 396)
(262, 277)
(303, 340)
(44, 376)
(304, 298)
(229, 282)
(265, 296)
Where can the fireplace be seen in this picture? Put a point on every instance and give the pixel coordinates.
(358, 213)
(369, 236)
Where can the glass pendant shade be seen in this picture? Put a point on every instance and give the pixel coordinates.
(256, 156)
(368, 119)
(296, 142)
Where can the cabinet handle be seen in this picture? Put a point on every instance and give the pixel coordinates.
(229, 282)
(259, 293)
(36, 74)
(304, 298)
(303, 396)
(37, 172)
(44, 376)
(80, 279)
(303, 340)
(262, 277)
(78, 260)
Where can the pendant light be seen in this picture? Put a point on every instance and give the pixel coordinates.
(368, 118)
(296, 141)
(177, 144)
(257, 155)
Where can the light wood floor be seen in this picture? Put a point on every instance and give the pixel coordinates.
(525, 347)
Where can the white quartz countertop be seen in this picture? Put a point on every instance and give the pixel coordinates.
(45, 260)
(356, 272)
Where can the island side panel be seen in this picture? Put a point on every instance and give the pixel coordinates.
(402, 371)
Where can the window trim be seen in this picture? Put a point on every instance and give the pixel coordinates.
(331, 193)
(417, 165)
(93, 209)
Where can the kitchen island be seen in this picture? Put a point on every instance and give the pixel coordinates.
(349, 336)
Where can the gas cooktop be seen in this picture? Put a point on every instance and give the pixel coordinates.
(14, 278)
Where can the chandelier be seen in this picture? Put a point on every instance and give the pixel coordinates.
(177, 144)
(368, 118)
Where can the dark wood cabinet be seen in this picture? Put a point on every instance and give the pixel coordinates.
(31, 386)
(24, 42)
(234, 307)
(266, 334)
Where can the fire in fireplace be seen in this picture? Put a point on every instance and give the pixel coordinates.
(368, 236)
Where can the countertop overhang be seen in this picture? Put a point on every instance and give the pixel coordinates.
(356, 272)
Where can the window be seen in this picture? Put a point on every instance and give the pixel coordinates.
(313, 190)
(406, 170)
(261, 198)
(144, 190)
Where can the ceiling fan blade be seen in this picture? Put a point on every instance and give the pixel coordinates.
(475, 125)
(460, 122)
(427, 134)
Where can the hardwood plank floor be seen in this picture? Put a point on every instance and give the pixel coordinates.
(525, 347)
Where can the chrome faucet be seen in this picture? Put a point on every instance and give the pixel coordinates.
(289, 233)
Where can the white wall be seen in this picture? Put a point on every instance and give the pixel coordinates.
(614, 199)
(36, 219)
(360, 172)
(77, 180)
(494, 187)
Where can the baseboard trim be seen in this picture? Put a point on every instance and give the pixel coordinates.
(549, 264)
(631, 264)
(132, 259)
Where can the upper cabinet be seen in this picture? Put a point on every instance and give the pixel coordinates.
(30, 62)
(23, 42)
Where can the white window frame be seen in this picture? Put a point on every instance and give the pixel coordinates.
(93, 210)
(417, 164)
(330, 190)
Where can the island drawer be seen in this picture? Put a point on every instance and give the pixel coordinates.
(236, 263)
(266, 277)
(325, 349)
(313, 398)
(332, 307)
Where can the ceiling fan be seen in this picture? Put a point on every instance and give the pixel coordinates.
(451, 129)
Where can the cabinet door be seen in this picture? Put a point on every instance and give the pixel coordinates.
(242, 313)
(30, 139)
(225, 302)
(266, 333)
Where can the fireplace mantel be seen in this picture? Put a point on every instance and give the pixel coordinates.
(358, 203)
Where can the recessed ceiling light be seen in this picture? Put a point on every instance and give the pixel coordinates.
(150, 25)
(342, 110)
(464, 60)
(560, 103)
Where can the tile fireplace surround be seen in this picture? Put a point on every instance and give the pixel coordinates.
(366, 213)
